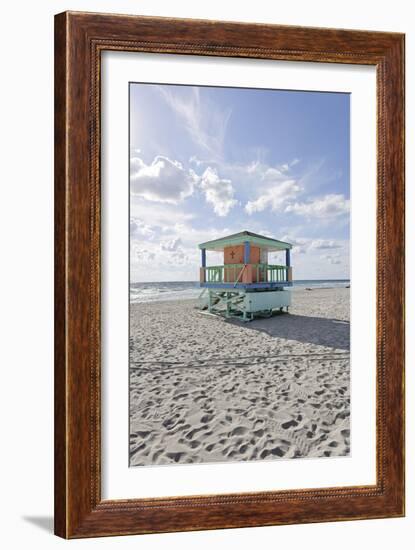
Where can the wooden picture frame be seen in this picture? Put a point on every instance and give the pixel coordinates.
(79, 40)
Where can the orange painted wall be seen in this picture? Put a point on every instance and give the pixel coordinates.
(255, 255)
(235, 255)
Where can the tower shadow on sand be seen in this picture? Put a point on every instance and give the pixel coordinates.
(332, 333)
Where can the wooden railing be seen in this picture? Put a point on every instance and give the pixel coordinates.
(232, 273)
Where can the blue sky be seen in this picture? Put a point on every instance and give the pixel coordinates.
(206, 162)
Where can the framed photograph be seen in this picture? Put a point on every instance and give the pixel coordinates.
(229, 275)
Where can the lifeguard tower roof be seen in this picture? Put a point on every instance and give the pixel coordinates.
(266, 243)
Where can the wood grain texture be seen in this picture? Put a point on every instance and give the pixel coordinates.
(60, 277)
(79, 40)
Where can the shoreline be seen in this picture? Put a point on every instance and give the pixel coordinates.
(161, 298)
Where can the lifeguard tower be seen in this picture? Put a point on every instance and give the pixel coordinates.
(246, 285)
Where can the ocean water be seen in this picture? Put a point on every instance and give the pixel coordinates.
(186, 290)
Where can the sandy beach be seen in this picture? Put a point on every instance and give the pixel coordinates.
(206, 389)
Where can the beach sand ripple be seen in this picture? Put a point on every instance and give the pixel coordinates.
(203, 389)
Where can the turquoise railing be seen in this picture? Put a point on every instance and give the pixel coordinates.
(275, 273)
(231, 273)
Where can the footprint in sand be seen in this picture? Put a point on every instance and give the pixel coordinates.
(239, 430)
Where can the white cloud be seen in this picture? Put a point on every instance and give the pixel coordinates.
(165, 235)
(286, 167)
(195, 160)
(204, 120)
(333, 259)
(322, 244)
(266, 173)
(268, 180)
(218, 192)
(142, 255)
(191, 236)
(172, 245)
(160, 214)
(295, 241)
(141, 229)
(275, 197)
(329, 206)
(278, 187)
(164, 180)
(153, 256)
(302, 245)
(298, 249)
(309, 261)
(174, 254)
(252, 167)
(178, 258)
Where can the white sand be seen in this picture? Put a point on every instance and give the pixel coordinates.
(206, 389)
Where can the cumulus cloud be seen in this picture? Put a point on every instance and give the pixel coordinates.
(333, 259)
(270, 174)
(321, 244)
(140, 229)
(274, 183)
(178, 257)
(218, 191)
(143, 255)
(157, 254)
(164, 180)
(275, 197)
(301, 245)
(329, 206)
(174, 252)
(171, 245)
